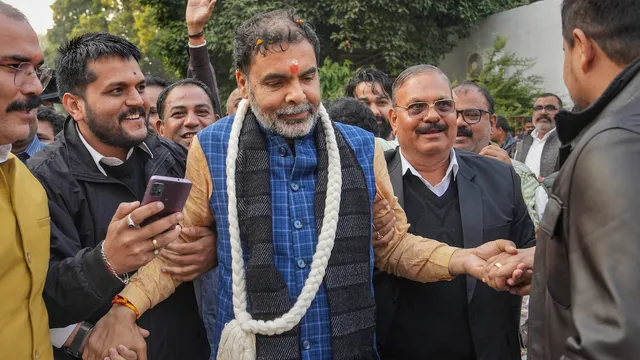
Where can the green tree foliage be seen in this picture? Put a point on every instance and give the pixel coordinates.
(334, 77)
(127, 18)
(503, 75)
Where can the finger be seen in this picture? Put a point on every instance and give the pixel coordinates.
(180, 272)
(143, 332)
(180, 260)
(143, 212)
(212, 4)
(163, 239)
(181, 248)
(113, 355)
(197, 232)
(385, 239)
(125, 209)
(126, 353)
(389, 225)
(380, 207)
(506, 246)
(521, 290)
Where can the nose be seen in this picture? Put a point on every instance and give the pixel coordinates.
(431, 114)
(295, 94)
(32, 86)
(137, 99)
(192, 120)
(375, 110)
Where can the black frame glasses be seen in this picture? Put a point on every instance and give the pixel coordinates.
(420, 109)
(24, 70)
(547, 108)
(472, 115)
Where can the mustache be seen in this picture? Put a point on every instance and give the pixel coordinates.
(429, 127)
(295, 109)
(544, 116)
(132, 111)
(29, 103)
(464, 131)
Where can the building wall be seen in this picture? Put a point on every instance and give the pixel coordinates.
(534, 31)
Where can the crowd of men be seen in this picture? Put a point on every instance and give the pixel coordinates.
(398, 222)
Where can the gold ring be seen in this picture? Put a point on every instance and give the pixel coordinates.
(378, 235)
(498, 265)
(155, 245)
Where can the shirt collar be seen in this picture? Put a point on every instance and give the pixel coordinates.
(5, 150)
(534, 133)
(110, 161)
(452, 169)
(34, 146)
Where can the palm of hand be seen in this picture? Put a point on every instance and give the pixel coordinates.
(198, 11)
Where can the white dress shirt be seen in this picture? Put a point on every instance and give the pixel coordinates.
(442, 187)
(5, 150)
(534, 156)
(109, 161)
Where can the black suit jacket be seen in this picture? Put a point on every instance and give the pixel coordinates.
(491, 208)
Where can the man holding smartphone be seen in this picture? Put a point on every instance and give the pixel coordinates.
(95, 175)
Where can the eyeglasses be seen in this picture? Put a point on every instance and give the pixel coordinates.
(23, 71)
(472, 115)
(547, 108)
(420, 109)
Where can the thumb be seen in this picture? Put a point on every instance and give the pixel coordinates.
(507, 246)
(143, 332)
(125, 209)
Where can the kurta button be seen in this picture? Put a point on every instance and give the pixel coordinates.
(283, 151)
(306, 344)
(301, 264)
(297, 224)
(29, 257)
(295, 186)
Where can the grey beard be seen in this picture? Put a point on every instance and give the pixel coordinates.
(280, 127)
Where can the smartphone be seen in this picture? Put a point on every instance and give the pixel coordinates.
(173, 192)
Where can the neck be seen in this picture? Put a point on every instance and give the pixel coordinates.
(104, 149)
(501, 138)
(605, 76)
(542, 133)
(432, 167)
(21, 146)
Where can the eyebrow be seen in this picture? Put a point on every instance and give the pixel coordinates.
(276, 76)
(203, 105)
(21, 59)
(414, 99)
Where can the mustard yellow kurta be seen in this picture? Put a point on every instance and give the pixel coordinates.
(24, 260)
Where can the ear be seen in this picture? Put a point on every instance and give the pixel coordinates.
(585, 47)
(74, 105)
(493, 120)
(242, 81)
(393, 120)
(159, 126)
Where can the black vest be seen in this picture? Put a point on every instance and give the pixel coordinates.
(431, 320)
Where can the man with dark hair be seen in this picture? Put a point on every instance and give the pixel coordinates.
(49, 124)
(474, 111)
(25, 148)
(275, 176)
(184, 108)
(350, 111)
(24, 216)
(501, 135)
(372, 87)
(462, 198)
(528, 126)
(584, 301)
(539, 150)
(155, 85)
(95, 174)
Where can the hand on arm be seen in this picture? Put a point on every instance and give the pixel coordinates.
(384, 221)
(191, 259)
(497, 153)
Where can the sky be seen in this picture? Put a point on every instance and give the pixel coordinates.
(37, 11)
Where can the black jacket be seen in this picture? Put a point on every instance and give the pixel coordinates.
(82, 202)
(491, 207)
(585, 296)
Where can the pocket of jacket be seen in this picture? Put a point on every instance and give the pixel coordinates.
(557, 259)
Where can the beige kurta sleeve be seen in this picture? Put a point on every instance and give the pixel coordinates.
(149, 286)
(406, 255)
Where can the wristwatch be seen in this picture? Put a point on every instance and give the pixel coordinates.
(75, 348)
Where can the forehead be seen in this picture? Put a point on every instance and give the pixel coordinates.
(429, 87)
(470, 98)
(547, 100)
(277, 61)
(369, 90)
(17, 39)
(112, 69)
(188, 95)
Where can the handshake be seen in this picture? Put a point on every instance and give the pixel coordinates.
(498, 264)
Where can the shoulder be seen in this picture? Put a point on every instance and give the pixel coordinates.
(490, 170)
(217, 131)
(52, 159)
(356, 136)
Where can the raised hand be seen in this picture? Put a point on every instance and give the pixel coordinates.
(198, 13)
(116, 328)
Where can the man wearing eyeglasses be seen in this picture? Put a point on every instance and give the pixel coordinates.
(465, 200)
(539, 150)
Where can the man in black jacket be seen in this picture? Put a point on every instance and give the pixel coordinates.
(465, 200)
(584, 300)
(99, 167)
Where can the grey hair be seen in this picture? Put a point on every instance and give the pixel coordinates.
(413, 72)
(11, 12)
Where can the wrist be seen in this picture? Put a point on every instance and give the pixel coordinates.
(122, 306)
(193, 29)
(456, 263)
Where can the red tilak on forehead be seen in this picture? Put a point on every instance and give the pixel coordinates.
(37, 59)
(293, 66)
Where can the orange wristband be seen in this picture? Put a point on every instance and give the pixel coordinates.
(125, 302)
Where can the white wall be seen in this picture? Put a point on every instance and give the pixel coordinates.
(534, 31)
